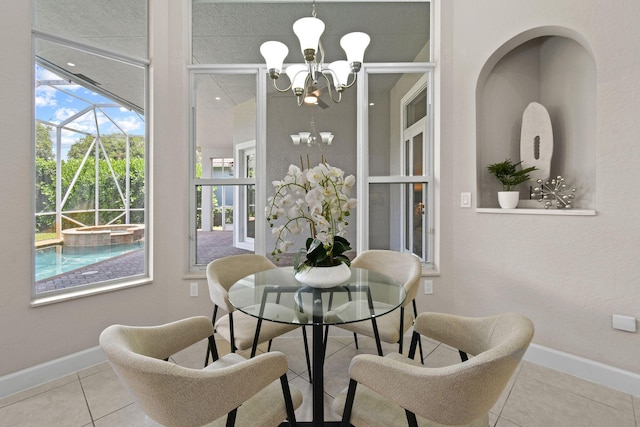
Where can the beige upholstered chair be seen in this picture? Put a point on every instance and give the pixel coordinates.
(401, 266)
(396, 391)
(241, 330)
(177, 396)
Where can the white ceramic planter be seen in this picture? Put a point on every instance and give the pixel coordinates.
(508, 199)
(324, 277)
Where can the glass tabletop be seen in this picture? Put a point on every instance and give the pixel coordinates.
(277, 296)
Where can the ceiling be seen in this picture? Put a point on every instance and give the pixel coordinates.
(227, 32)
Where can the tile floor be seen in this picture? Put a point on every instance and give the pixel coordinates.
(535, 396)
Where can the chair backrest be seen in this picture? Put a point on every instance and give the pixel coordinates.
(404, 267)
(461, 393)
(222, 273)
(161, 388)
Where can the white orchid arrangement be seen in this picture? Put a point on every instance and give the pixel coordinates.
(319, 198)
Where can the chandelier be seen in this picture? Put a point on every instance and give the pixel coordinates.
(304, 76)
(312, 136)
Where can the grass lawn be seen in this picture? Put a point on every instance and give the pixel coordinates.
(45, 236)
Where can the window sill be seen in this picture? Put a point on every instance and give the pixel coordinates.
(525, 211)
(83, 292)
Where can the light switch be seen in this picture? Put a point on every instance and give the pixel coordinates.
(465, 200)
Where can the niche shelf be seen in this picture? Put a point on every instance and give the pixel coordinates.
(548, 66)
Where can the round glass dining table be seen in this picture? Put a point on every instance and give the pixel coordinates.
(363, 297)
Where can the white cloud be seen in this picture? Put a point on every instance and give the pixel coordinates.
(46, 96)
(130, 124)
(64, 113)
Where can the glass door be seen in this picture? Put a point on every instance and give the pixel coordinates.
(245, 200)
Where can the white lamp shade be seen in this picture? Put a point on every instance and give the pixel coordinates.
(297, 74)
(354, 45)
(295, 139)
(304, 137)
(341, 71)
(274, 54)
(326, 137)
(308, 30)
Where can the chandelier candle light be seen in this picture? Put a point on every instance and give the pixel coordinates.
(302, 76)
(312, 136)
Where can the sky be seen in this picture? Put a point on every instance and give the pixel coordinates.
(55, 106)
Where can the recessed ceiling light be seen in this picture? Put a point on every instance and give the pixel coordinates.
(371, 104)
(218, 98)
(71, 64)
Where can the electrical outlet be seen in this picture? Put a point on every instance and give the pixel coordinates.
(624, 323)
(428, 287)
(193, 291)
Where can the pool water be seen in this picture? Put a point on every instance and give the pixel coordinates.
(59, 259)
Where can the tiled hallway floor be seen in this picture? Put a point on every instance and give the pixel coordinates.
(536, 396)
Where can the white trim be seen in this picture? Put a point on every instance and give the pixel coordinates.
(599, 373)
(49, 371)
(541, 211)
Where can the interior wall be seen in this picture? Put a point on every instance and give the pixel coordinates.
(569, 274)
(569, 95)
(32, 336)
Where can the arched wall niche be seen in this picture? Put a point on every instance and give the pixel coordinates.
(555, 67)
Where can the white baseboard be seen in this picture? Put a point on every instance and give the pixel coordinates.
(599, 373)
(49, 371)
(618, 379)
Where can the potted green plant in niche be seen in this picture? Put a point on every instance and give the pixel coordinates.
(508, 174)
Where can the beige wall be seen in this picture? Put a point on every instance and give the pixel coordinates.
(31, 336)
(568, 274)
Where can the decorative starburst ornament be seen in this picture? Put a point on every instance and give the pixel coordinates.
(552, 191)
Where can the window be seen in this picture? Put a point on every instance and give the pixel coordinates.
(400, 167)
(91, 148)
(382, 128)
(223, 185)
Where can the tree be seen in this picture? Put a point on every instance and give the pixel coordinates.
(44, 145)
(114, 145)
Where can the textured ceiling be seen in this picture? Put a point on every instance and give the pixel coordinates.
(223, 33)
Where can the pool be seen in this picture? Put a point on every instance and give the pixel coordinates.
(55, 260)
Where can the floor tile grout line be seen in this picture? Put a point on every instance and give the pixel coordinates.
(86, 401)
(506, 400)
(583, 396)
(30, 396)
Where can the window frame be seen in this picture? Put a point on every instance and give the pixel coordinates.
(260, 151)
(49, 297)
(364, 180)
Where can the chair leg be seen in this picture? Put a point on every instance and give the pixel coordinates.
(232, 344)
(411, 418)
(377, 336)
(306, 352)
(288, 403)
(348, 404)
(415, 339)
(231, 418)
(355, 339)
(463, 356)
(415, 315)
(213, 322)
(401, 340)
(256, 338)
(213, 349)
